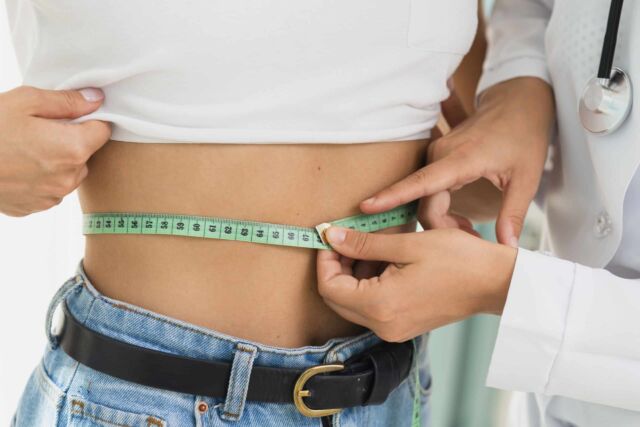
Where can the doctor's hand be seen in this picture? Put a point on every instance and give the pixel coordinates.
(433, 278)
(42, 156)
(504, 142)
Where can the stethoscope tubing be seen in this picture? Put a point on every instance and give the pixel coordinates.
(610, 39)
(607, 98)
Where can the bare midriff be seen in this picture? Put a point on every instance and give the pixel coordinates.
(262, 293)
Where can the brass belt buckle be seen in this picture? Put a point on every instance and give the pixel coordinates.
(299, 393)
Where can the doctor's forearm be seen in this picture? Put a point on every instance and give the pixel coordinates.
(569, 330)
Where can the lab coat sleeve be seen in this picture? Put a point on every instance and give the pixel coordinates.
(569, 330)
(516, 32)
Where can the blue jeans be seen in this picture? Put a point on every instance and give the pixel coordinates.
(62, 392)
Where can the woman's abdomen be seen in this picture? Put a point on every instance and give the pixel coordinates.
(261, 293)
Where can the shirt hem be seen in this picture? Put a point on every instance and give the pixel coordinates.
(131, 130)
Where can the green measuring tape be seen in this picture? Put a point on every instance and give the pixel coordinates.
(238, 230)
(416, 413)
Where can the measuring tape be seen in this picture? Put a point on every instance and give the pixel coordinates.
(238, 230)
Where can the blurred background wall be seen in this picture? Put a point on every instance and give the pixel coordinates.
(39, 252)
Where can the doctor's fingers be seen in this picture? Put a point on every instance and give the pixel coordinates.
(368, 302)
(396, 330)
(433, 213)
(381, 313)
(330, 264)
(517, 198)
(395, 248)
(336, 281)
(450, 173)
(368, 269)
(350, 315)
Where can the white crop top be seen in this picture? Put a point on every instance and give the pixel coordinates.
(250, 71)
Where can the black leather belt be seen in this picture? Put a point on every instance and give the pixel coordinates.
(366, 379)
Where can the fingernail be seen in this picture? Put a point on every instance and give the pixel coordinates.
(451, 84)
(513, 242)
(91, 94)
(336, 235)
(370, 201)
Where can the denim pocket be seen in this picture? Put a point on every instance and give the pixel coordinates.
(447, 26)
(83, 413)
(41, 401)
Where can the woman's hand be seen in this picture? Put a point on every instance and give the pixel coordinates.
(505, 142)
(42, 157)
(434, 278)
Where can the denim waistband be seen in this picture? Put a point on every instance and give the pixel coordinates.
(138, 326)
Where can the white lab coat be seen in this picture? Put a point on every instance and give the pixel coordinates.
(571, 329)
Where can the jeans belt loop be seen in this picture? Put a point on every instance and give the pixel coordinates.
(53, 331)
(239, 382)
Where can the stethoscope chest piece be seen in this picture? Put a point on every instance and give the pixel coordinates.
(605, 103)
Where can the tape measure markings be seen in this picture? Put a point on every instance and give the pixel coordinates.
(235, 230)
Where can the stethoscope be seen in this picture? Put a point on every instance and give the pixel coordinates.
(606, 100)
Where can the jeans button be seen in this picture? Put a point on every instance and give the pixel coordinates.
(203, 407)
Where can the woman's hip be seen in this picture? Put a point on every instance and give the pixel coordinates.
(62, 391)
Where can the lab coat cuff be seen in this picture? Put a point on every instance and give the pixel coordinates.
(525, 66)
(533, 323)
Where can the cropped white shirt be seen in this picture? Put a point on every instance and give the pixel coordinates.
(250, 71)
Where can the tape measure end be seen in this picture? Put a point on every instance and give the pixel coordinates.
(321, 229)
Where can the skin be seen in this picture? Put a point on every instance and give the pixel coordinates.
(266, 294)
(443, 275)
(433, 278)
(504, 142)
